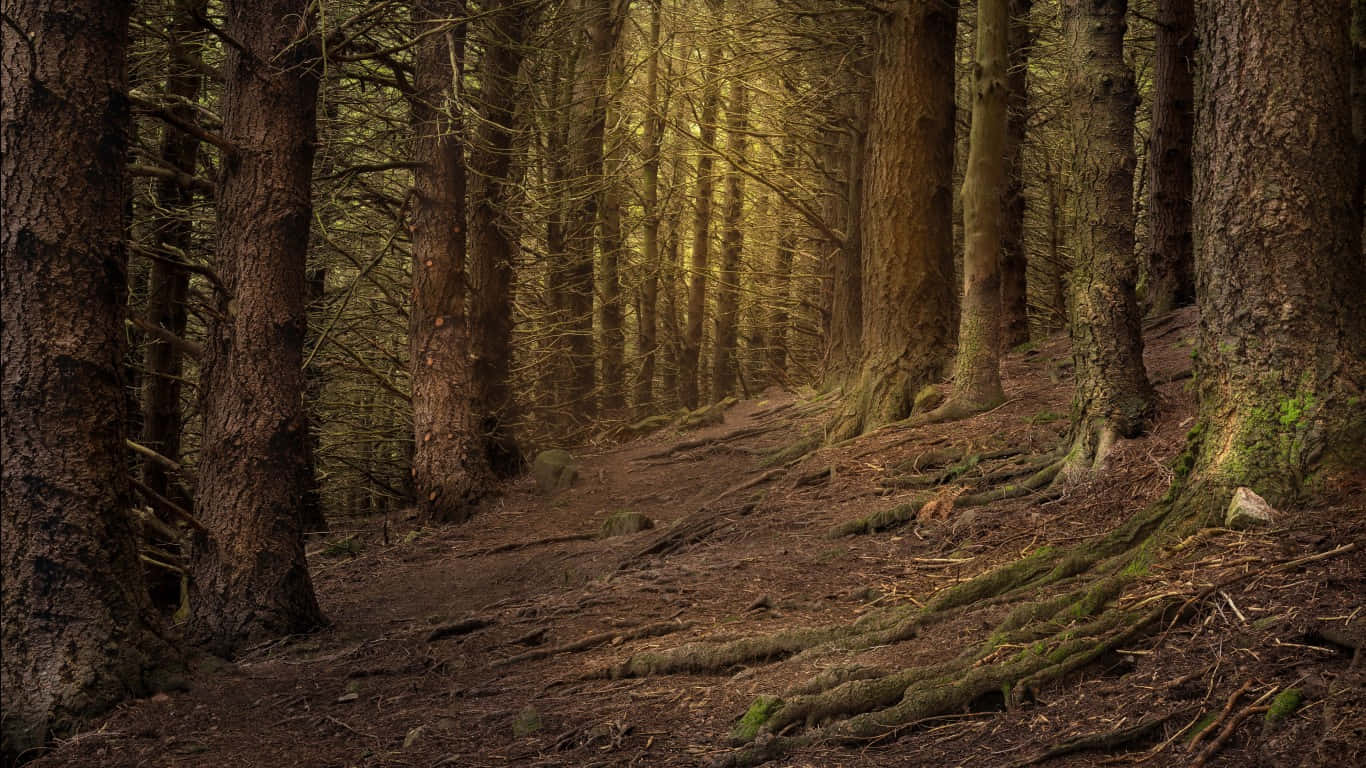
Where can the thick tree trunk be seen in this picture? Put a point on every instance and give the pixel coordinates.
(612, 245)
(167, 285)
(1280, 273)
(1014, 262)
(977, 372)
(1113, 398)
(250, 578)
(450, 470)
(649, 291)
(492, 234)
(689, 392)
(908, 294)
(1171, 277)
(78, 629)
(1359, 111)
(724, 365)
(845, 203)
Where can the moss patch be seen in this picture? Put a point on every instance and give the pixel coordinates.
(763, 708)
(1285, 703)
(625, 522)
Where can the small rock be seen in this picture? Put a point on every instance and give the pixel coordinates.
(764, 603)
(345, 697)
(555, 470)
(1248, 510)
(624, 522)
(412, 737)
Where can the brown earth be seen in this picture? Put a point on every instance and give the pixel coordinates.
(376, 689)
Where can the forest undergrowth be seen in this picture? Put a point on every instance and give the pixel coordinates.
(938, 593)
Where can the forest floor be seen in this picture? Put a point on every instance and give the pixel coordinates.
(418, 668)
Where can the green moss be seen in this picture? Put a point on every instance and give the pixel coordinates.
(1028, 346)
(347, 546)
(528, 722)
(1045, 417)
(763, 708)
(1285, 703)
(1205, 722)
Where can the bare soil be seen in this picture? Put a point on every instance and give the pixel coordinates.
(377, 689)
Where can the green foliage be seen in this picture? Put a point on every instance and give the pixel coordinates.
(763, 708)
(1285, 703)
(1045, 417)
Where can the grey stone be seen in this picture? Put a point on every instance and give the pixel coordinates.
(554, 470)
(1248, 510)
(623, 523)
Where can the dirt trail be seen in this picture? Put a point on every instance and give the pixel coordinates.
(418, 668)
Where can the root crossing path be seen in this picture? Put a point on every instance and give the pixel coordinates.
(805, 605)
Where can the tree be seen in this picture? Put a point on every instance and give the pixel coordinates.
(649, 292)
(1171, 279)
(908, 296)
(1112, 396)
(724, 364)
(1282, 344)
(250, 579)
(450, 469)
(612, 242)
(79, 631)
(689, 392)
(1014, 262)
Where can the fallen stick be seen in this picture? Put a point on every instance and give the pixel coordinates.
(592, 641)
(462, 627)
(509, 547)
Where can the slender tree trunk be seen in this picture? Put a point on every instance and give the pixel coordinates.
(688, 375)
(1359, 111)
(1282, 338)
(1171, 277)
(908, 295)
(79, 632)
(977, 374)
(1014, 262)
(492, 234)
(450, 470)
(612, 244)
(649, 291)
(167, 284)
(1059, 262)
(785, 251)
(845, 344)
(724, 363)
(1113, 397)
(251, 470)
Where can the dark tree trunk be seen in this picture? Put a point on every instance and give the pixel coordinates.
(1282, 336)
(492, 237)
(724, 362)
(649, 291)
(250, 578)
(908, 293)
(1171, 277)
(167, 285)
(612, 245)
(1359, 111)
(312, 518)
(845, 343)
(1113, 398)
(1014, 262)
(689, 374)
(450, 470)
(79, 632)
(779, 318)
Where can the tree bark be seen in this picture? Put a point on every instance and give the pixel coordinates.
(786, 247)
(908, 294)
(1280, 272)
(492, 233)
(79, 632)
(611, 243)
(250, 579)
(1014, 261)
(724, 362)
(1171, 278)
(977, 372)
(845, 202)
(689, 392)
(649, 292)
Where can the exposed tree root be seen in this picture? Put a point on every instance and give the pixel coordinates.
(1107, 741)
(592, 641)
(690, 530)
(516, 545)
(705, 441)
(791, 454)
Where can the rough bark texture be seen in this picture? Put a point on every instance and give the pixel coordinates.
(1359, 111)
(492, 237)
(250, 579)
(1280, 269)
(1113, 397)
(688, 375)
(786, 248)
(844, 210)
(908, 293)
(78, 630)
(724, 364)
(167, 285)
(612, 244)
(977, 371)
(1171, 276)
(1014, 262)
(649, 291)
(450, 471)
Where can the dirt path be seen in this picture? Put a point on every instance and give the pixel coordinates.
(418, 669)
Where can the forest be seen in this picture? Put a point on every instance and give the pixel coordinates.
(683, 383)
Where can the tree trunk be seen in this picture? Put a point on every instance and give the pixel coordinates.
(612, 244)
(649, 291)
(908, 294)
(492, 234)
(1014, 262)
(79, 632)
(1112, 397)
(977, 373)
(250, 578)
(724, 364)
(1171, 278)
(1359, 111)
(688, 375)
(786, 247)
(1280, 273)
(450, 471)
(844, 347)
